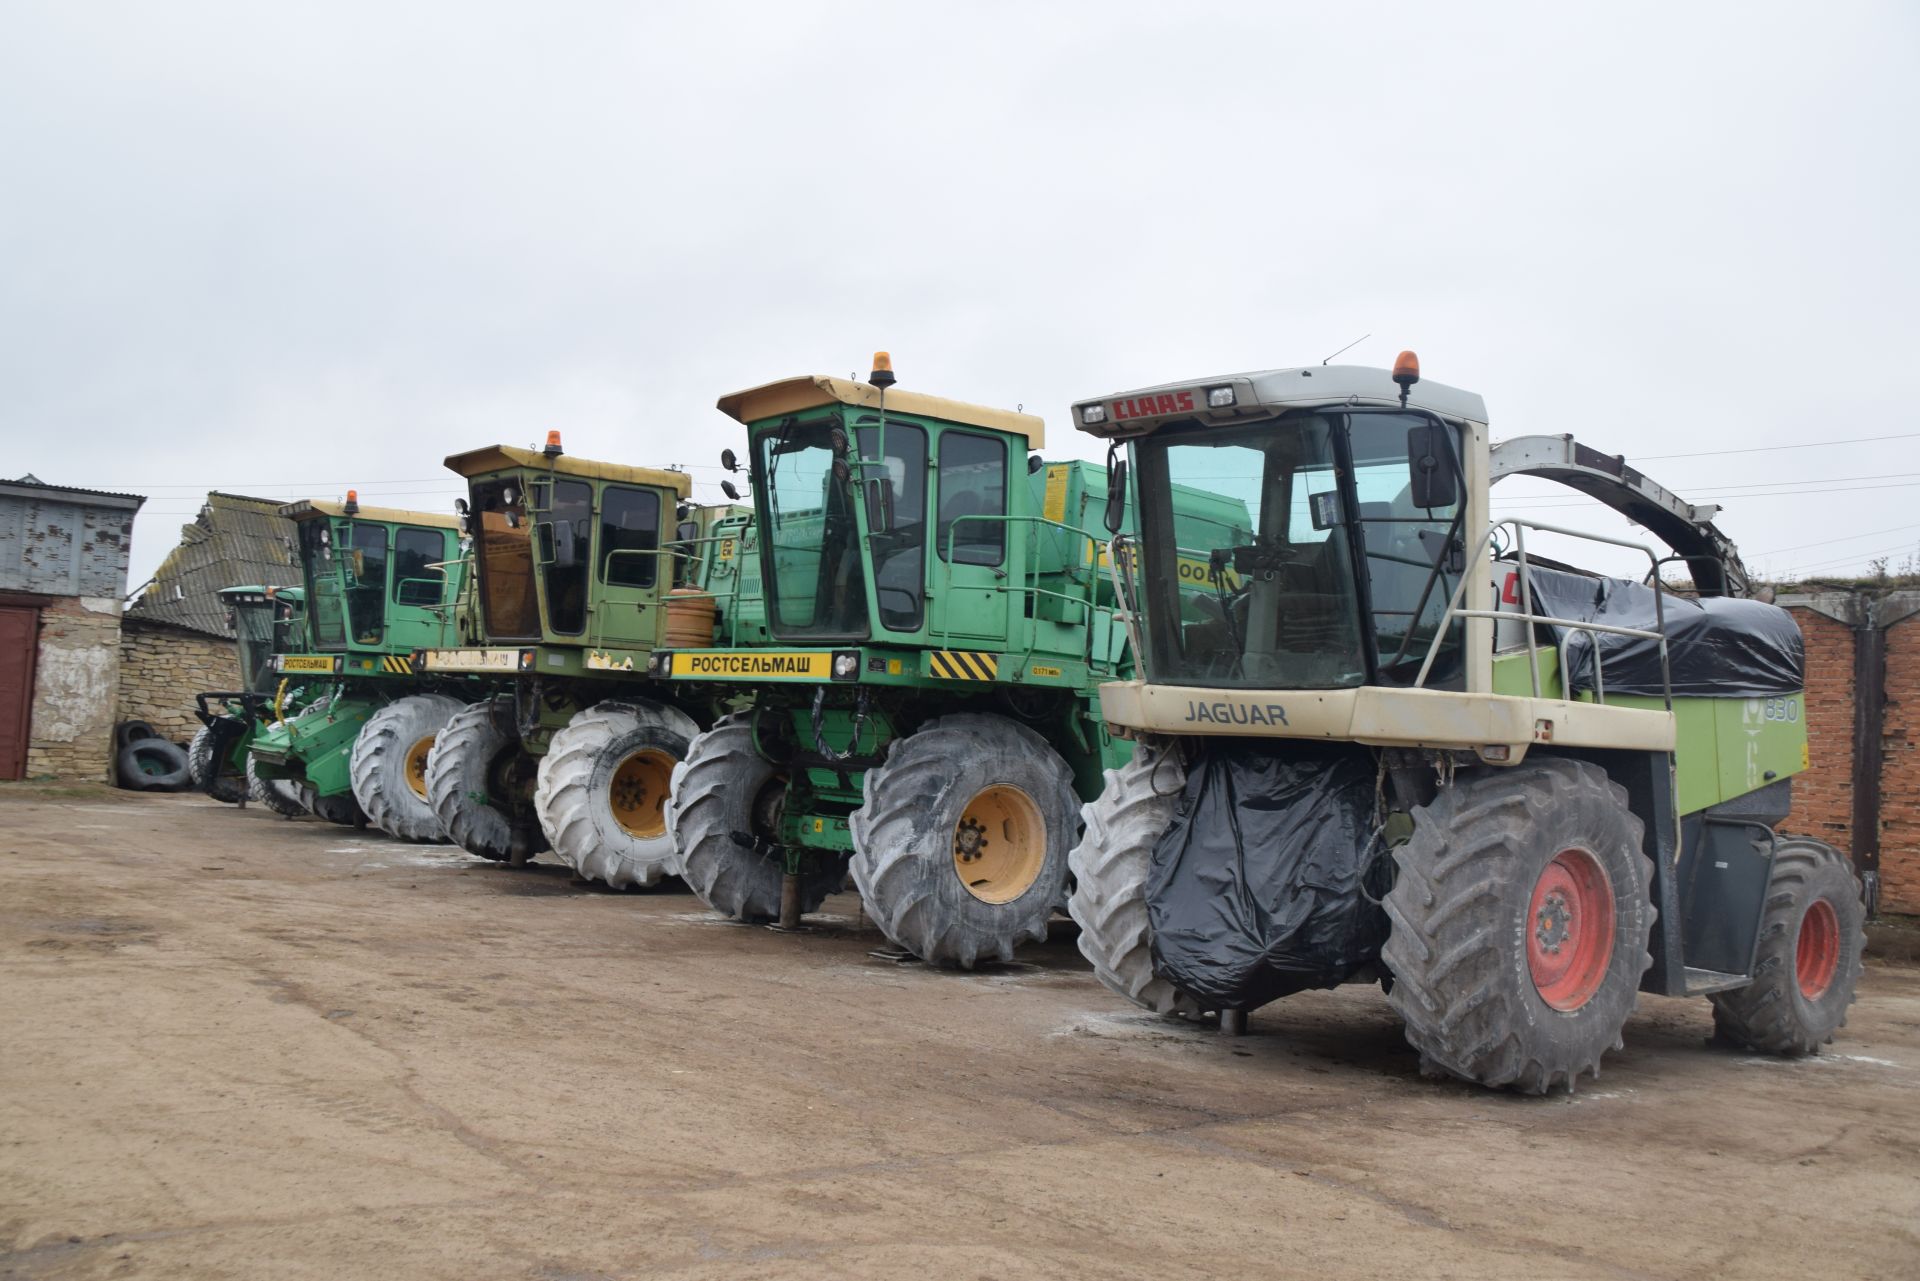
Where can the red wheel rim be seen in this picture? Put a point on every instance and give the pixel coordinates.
(1817, 954)
(1570, 929)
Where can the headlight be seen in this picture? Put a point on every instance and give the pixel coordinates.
(1220, 397)
(279, 663)
(846, 665)
(1091, 414)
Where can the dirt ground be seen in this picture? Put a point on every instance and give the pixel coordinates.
(236, 1046)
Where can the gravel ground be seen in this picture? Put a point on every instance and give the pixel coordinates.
(236, 1046)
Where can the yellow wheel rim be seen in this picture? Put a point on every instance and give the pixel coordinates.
(417, 766)
(999, 844)
(637, 793)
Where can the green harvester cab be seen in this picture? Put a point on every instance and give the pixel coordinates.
(267, 621)
(583, 570)
(938, 616)
(382, 585)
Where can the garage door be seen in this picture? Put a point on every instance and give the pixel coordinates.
(19, 638)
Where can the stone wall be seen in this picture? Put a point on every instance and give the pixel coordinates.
(163, 667)
(75, 676)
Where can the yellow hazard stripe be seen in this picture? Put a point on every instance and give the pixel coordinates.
(397, 665)
(963, 665)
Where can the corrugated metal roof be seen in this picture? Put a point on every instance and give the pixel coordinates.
(72, 493)
(235, 541)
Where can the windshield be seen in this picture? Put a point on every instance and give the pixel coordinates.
(253, 627)
(1248, 554)
(325, 604)
(503, 550)
(815, 565)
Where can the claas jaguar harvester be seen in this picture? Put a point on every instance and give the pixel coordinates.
(924, 708)
(1379, 740)
(583, 570)
(381, 584)
(266, 621)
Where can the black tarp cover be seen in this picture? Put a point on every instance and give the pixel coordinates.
(1255, 890)
(1718, 646)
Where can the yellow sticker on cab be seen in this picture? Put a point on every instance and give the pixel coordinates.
(306, 663)
(755, 665)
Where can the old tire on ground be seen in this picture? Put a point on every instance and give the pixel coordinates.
(725, 816)
(277, 794)
(227, 788)
(153, 765)
(1520, 919)
(1109, 868)
(480, 783)
(960, 849)
(1808, 960)
(127, 733)
(389, 765)
(603, 788)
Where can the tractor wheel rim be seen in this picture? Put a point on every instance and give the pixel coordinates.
(417, 766)
(637, 793)
(1570, 929)
(999, 844)
(1817, 952)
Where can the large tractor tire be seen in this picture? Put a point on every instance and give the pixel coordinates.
(603, 789)
(1520, 919)
(1109, 868)
(1808, 960)
(389, 765)
(201, 766)
(480, 783)
(278, 794)
(725, 820)
(960, 850)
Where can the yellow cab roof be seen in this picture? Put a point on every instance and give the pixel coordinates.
(477, 462)
(315, 508)
(791, 395)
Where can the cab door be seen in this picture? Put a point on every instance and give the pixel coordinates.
(976, 554)
(423, 587)
(630, 573)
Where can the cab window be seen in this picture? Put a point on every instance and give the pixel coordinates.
(629, 537)
(417, 580)
(973, 483)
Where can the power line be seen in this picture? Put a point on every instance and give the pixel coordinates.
(1762, 449)
(1830, 541)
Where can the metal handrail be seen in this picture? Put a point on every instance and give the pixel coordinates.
(1530, 618)
(1126, 605)
(1029, 573)
(674, 547)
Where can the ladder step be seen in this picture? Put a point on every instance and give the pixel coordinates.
(1700, 982)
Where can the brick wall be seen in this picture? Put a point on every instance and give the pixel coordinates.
(1823, 795)
(163, 667)
(74, 678)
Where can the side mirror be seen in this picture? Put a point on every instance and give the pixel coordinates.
(728, 488)
(1117, 497)
(1430, 478)
(729, 460)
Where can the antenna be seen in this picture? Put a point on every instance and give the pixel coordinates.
(1350, 346)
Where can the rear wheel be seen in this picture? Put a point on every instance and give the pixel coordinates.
(1110, 866)
(277, 794)
(1808, 960)
(201, 767)
(1520, 916)
(480, 782)
(389, 766)
(725, 818)
(342, 809)
(603, 788)
(960, 851)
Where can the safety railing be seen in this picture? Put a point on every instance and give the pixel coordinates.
(1029, 585)
(694, 552)
(1530, 619)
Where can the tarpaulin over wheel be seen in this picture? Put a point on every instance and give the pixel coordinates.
(1255, 891)
(1718, 646)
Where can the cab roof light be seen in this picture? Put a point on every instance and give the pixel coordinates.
(1406, 372)
(1221, 398)
(353, 502)
(882, 375)
(1091, 414)
(553, 449)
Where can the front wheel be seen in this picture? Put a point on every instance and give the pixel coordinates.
(480, 781)
(1808, 959)
(280, 795)
(603, 788)
(205, 771)
(960, 850)
(389, 765)
(1520, 919)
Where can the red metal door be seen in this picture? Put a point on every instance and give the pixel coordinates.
(19, 639)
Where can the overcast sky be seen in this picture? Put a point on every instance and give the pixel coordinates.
(283, 249)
